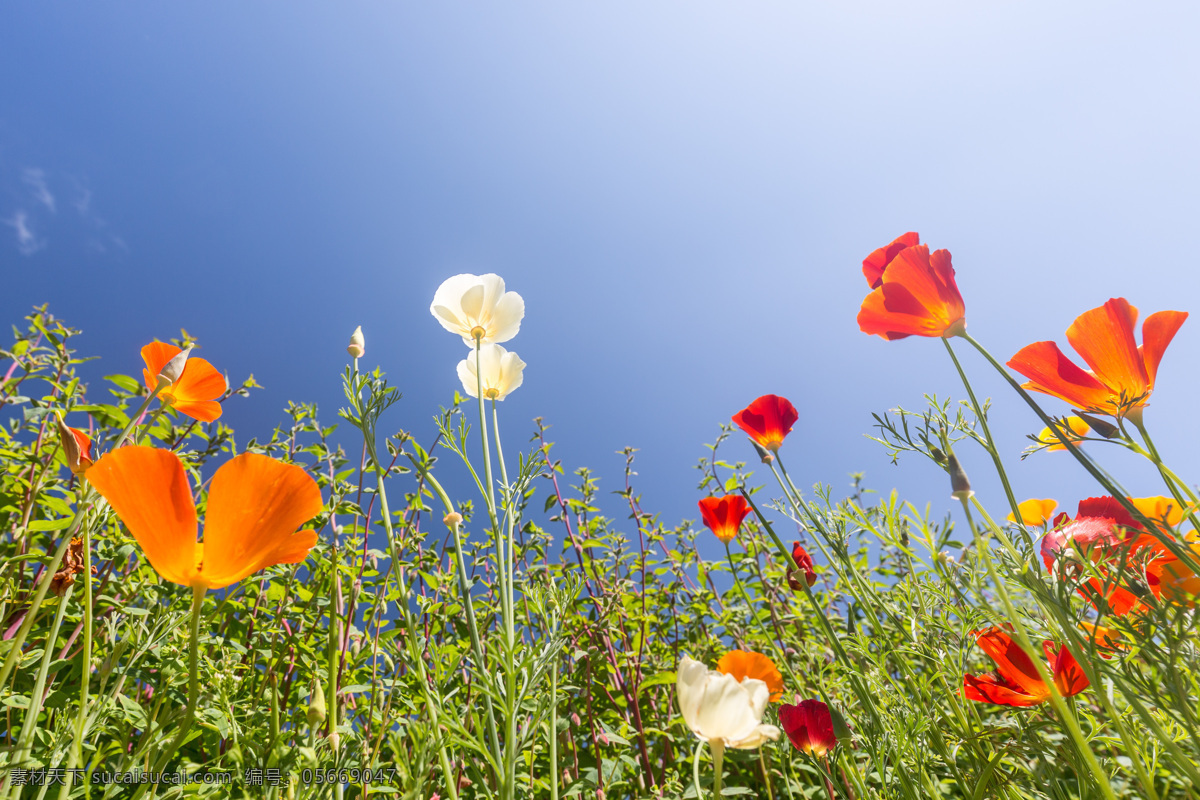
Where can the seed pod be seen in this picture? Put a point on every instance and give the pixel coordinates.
(960, 484)
(316, 705)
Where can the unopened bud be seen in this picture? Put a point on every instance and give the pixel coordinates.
(358, 345)
(76, 445)
(960, 484)
(316, 705)
(173, 369)
(452, 519)
(574, 718)
(766, 455)
(840, 729)
(334, 740)
(938, 456)
(1105, 429)
(602, 738)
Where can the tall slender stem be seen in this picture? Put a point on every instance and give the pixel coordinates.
(717, 747)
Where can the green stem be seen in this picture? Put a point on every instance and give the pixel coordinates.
(1166, 474)
(554, 732)
(993, 451)
(717, 748)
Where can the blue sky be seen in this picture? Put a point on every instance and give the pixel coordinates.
(682, 192)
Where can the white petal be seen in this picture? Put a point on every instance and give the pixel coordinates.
(512, 373)
(760, 734)
(690, 680)
(506, 317)
(466, 374)
(471, 303)
(759, 694)
(725, 711)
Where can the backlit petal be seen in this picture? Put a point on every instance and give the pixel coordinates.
(742, 664)
(1104, 338)
(1011, 661)
(1035, 512)
(1069, 677)
(989, 689)
(149, 490)
(1157, 332)
(875, 264)
(1052, 373)
(255, 505)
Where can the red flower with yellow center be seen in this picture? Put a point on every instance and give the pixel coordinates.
(768, 420)
(742, 664)
(913, 292)
(809, 726)
(195, 393)
(723, 515)
(1016, 681)
(1122, 373)
(255, 504)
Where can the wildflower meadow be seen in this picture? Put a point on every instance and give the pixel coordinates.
(188, 613)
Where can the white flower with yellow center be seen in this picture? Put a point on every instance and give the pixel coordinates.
(720, 709)
(502, 372)
(477, 308)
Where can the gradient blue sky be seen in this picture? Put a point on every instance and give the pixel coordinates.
(683, 192)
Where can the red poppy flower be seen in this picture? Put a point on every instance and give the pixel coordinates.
(723, 515)
(255, 504)
(1122, 375)
(804, 563)
(913, 292)
(1016, 681)
(809, 726)
(195, 393)
(742, 664)
(768, 420)
(1111, 536)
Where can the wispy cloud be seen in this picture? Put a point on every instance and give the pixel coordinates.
(83, 201)
(27, 241)
(35, 179)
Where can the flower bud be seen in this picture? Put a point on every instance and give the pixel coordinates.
(602, 738)
(76, 445)
(840, 729)
(358, 345)
(452, 519)
(316, 705)
(1105, 429)
(766, 455)
(174, 368)
(334, 740)
(960, 484)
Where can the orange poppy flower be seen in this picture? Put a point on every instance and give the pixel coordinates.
(76, 445)
(742, 664)
(1035, 512)
(913, 292)
(1171, 580)
(768, 420)
(723, 515)
(1016, 681)
(195, 393)
(1122, 374)
(255, 504)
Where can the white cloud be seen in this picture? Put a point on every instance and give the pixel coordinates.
(35, 179)
(27, 241)
(83, 201)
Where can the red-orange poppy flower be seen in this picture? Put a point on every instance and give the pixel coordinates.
(804, 563)
(1170, 578)
(1111, 537)
(1122, 374)
(76, 445)
(255, 505)
(197, 388)
(723, 515)
(913, 292)
(1016, 681)
(742, 664)
(768, 420)
(809, 726)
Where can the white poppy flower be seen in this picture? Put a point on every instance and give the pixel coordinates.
(477, 305)
(502, 372)
(716, 706)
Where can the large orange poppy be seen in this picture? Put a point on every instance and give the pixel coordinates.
(255, 504)
(1016, 681)
(913, 292)
(1122, 374)
(195, 393)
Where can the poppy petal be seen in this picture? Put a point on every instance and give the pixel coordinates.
(255, 505)
(1011, 661)
(199, 381)
(1069, 677)
(149, 490)
(203, 410)
(1052, 373)
(742, 664)
(1157, 332)
(877, 262)
(1104, 338)
(989, 689)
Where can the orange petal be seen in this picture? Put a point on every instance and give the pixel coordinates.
(255, 505)
(1103, 337)
(1069, 677)
(156, 355)
(1159, 509)
(1011, 661)
(991, 689)
(149, 490)
(1157, 332)
(203, 410)
(199, 381)
(1035, 512)
(875, 264)
(1052, 373)
(1075, 428)
(742, 664)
